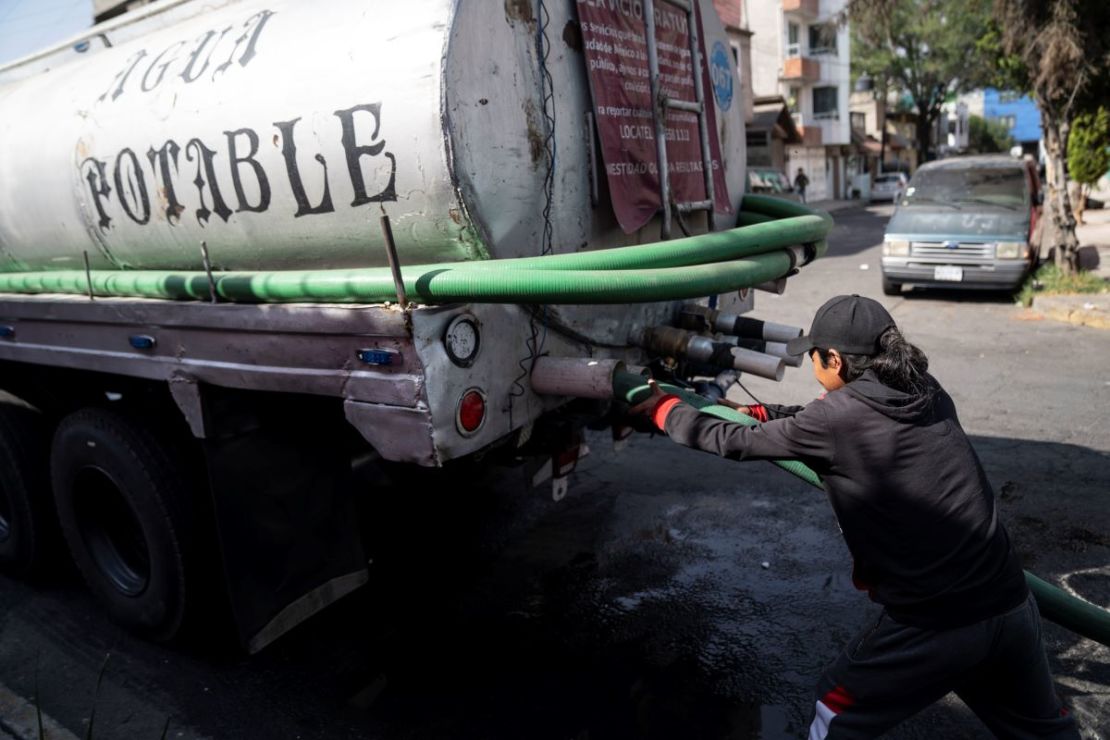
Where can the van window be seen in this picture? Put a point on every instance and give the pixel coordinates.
(1000, 186)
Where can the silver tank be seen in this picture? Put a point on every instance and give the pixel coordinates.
(278, 131)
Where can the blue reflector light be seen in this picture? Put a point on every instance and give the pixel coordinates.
(141, 341)
(7, 332)
(377, 356)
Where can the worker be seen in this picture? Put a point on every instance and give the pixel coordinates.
(917, 513)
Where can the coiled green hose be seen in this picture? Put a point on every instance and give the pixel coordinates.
(1055, 605)
(683, 268)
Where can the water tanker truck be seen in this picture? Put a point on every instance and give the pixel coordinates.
(244, 243)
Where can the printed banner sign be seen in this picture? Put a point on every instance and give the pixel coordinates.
(616, 55)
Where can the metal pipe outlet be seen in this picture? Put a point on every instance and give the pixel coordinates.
(583, 377)
(757, 363)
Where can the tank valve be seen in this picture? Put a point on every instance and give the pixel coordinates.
(677, 342)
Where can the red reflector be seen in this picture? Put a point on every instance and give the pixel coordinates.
(472, 410)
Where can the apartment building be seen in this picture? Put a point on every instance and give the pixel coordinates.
(799, 52)
(1018, 113)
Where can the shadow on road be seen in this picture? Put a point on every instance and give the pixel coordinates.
(495, 613)
(994, 297)
(854, 229)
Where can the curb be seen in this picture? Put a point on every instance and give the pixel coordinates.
(1074, 310)
(19, 720)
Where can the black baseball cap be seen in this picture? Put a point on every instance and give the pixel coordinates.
(848, 323)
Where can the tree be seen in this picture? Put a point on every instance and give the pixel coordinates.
(925, 47)
(987, 137)
(1058, 50)
(1089, 147)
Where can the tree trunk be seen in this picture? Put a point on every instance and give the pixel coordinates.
(1059, 231)
(924, 128)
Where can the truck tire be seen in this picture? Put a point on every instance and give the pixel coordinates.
(24, 489)
(891, 288)
(125, 511)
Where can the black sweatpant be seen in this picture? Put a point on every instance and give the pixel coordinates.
(891, 671)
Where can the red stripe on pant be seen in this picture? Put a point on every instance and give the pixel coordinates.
(838, 699)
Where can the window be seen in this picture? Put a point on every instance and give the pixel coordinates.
(1001, 186)
(795, 99)
(859, 122)
(757, 139)
(1008, 121)
(822, 39)
(825, 102)
(1008, 96)
(793, 46)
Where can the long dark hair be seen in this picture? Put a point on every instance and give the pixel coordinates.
(898, 364)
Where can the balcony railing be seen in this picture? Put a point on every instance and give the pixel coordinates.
(801, 7)
(801, 69)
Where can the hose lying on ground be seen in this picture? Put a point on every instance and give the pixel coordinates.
(753, 253)
(1055, 605)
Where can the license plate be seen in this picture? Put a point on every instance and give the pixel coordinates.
(948, 273)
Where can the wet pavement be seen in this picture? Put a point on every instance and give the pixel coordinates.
(672, 594)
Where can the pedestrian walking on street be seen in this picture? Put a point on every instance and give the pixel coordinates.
(800, 183)
(917, 513)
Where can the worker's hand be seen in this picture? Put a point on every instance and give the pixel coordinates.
(647, 406)
(734, 405)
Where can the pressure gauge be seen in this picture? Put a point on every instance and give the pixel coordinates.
(462, 340)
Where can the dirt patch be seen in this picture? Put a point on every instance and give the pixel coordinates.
(519, 10)
(535, 133)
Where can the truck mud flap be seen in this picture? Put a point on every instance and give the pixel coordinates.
(283, 496)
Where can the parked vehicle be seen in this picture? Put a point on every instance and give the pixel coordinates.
(207, 328)
(966, 222)
(771, 182)
(889, 186)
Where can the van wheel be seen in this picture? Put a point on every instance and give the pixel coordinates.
(124, 509)
(891, 288)
(24, 502)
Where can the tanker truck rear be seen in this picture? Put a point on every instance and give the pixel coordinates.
(246, 244)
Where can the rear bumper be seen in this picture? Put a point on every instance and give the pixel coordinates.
(999, 275)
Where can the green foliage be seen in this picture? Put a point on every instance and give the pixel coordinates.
(1051, 280)
(987, 137)
(1089, 147)
(926, 48)
(999, 69)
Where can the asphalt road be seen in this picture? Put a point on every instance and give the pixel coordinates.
(670, 595)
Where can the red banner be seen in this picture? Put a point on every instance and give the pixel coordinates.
(616, 55)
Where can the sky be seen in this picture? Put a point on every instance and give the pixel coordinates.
(29, 25)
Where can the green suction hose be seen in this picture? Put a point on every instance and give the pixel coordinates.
(1055, 605)
(717, 262)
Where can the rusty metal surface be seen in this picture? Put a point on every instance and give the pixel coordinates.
(295, 349)
(400, 435)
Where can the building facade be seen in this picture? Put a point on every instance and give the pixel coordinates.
(800, 53)
(1019, 114)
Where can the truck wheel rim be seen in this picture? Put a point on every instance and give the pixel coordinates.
(111, 531)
